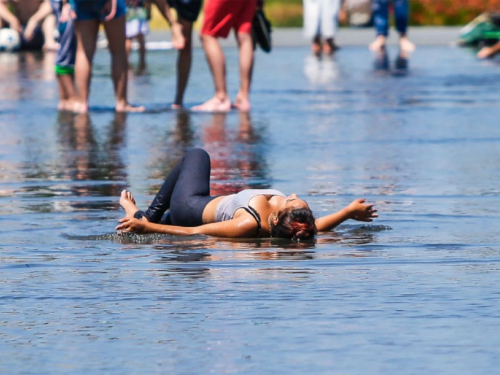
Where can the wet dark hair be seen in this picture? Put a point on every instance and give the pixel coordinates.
(295, 223)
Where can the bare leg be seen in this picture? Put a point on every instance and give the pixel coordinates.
(67, 93)
(115, 32)
(184, 59)
(86, 35)
(128, 48)
(48, 27)
(142, 53)
(242, 101)
(215, 57)
(329, 46)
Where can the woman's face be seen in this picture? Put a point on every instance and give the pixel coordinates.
(294, 202)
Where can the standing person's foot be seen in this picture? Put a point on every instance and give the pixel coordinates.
(241, 103)
(126, 107)
(142, 70)
(406, 45)
(176, 106)
(66, 105)
(316, 49)
(214, 105)
(329, 46)
(127, 202)
(316, 46)
(378, 44)
(80, 107)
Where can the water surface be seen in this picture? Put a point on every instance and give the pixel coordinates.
(414, 292)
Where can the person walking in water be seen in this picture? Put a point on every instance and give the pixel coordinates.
(184, 206)
(381, 20)
(220, 17)
(321, 24)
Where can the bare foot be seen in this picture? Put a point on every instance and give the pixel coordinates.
(176, 106)
(242, 105)
(129, 108)
(316, 46)
(214, 105)
(316, 49)
(329, 46)
(177, 38)
(80, 107)
(406, 45)
(378, 44)
(66, 105)
(142, 70)
(127, 202)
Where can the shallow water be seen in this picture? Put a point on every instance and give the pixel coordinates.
(414, 292)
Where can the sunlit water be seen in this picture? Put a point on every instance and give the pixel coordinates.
(415, 292)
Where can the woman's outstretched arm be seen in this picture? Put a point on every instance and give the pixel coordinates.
(241, 227)
(357, 210)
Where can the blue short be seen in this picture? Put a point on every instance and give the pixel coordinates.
(94, 9)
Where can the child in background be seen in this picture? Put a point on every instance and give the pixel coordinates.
(137, 28)
(65, 59)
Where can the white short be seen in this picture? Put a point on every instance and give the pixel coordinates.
(320, 18)
(136, 27)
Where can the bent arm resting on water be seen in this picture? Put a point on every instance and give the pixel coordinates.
(235, 228)
(357, 210)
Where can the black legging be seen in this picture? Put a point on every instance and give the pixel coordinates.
(185, 192)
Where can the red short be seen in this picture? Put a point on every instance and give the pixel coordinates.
(223, 15)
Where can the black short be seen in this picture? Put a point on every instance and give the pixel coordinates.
(187, 9)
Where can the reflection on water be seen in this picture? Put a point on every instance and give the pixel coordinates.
(321, 70)
(78, 297)
(237, 158)
(382, 63)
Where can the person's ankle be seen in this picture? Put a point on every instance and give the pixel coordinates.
(222, 97)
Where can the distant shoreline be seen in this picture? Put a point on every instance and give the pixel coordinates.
(347, 36)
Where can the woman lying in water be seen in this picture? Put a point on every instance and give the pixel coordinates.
(250, 213)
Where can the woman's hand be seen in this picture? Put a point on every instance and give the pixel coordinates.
(360, 211)
(132, 225)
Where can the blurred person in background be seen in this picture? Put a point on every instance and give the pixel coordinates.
(381, 20)
(23, 16)
(137, 26)
(321, 24)
(65, 59)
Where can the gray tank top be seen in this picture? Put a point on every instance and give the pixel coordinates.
(228, 206)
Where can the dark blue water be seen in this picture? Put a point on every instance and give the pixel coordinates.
(414, 293)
